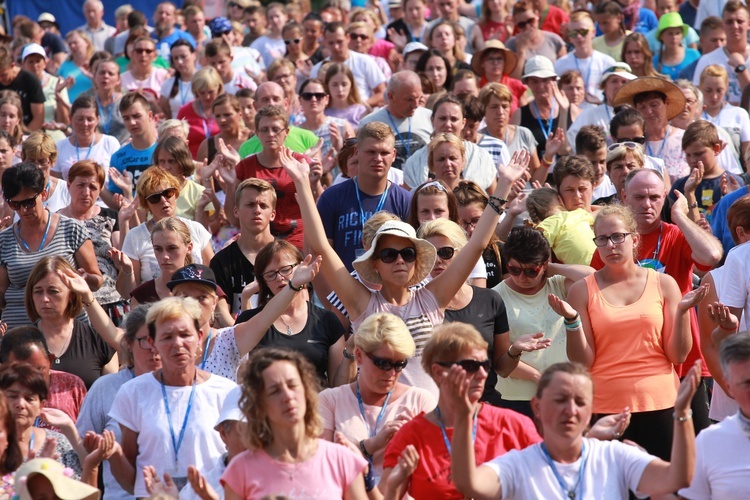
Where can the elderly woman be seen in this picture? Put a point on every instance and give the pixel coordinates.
(302, 326)
(94, 415)
(158, 410)
(10, 450)
(37, 234)
(496, 430)
(563, 404)
(494, 64)
(369, 411)
(158, 191)
(279, 401)
(206, 86)
(40, 149)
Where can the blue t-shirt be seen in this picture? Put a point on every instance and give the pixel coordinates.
(646, 21)
(673, 72)
(82, 82)
(135, 161)
(163, 45)
(707, 193)
(719, 224)
(341, 216)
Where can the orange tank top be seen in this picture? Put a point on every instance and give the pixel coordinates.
(630, 367)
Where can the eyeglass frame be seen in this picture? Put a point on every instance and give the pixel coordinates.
(26, 204)
(611, 238)
(283, 271)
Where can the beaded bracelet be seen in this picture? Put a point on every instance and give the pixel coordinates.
(497, 204)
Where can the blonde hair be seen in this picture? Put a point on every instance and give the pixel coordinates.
(622, 151)
(206, 78)
(370, 228)
(172, 308)
(617, 211)
(498, 90)
(439, 139)
(540, 203)
(176, 225)
(384, 329)
(259, 185)
(448, 341)
(39, 145)
(581, 15)
(446, 228)
(359, 25)
(151, 178)
(715, 71)
(86, 38)
(166, 125)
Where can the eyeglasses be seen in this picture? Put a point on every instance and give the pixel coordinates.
(446, 253)
(388, 255)
(530, 272)
(143, 340)
(144, 51)
(615, 238)
(625, 144)
(470, 365)
(494, 60)
(285, 272)
(528, 22)
(387, 364)
(638, 140)
(309, 96)
(576, 33)
(166, 194)
(295, 41)
(27, 203)
(470, 223)
(359, 36)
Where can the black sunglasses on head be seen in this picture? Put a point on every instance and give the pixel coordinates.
(470, 365)
(387, 364)
(388, 255)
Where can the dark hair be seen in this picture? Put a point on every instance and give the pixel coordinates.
(575, 166)
(625, 117)
(25, 375)
(180, 42)
(246, 93)
(176, 147)
(646, 96)
(527, 246)
(549, 374)
(613, 9)
(264, 257)
(129, 99)
(99, 56)
(133, 322)
(447, 99)
(12, 458)
(20, 342)
(431, 190)
(422, 64)
(473, 108)
(590, 139)
(216, 46)
(310, 81)
(137, 18)
(84, 102)
(312, 16)
(711, 23)
(4, 134)
(334, 27)
(25, 175)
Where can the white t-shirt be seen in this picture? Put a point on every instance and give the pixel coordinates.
(599, 115)
(735, 121)
(612, 468)
(480, 167)
(670, 150)
(240, 81)
(100, 152)
(269, 48)
(246, 59)
(139, 406)
(395, 175)
(605, 189)
(719, 56)
(153, 81)
(137, 246)
(412, 133)
(183, 96)
(722, 465)
(591, 68)
(708, 9)
(367, 74)
(734, 292)
(60, 197)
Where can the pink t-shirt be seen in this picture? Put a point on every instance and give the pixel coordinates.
(327, 474)
(153, 81)
(339, 411)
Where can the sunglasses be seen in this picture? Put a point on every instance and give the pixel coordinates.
(627, 144)
(285, 271)
(388, 255)
(576, 33)
(386, 364)
(531, 272)
(528, 22)
(27, 203)
(359, 36)
(352, 141)
(144, 51)
(446, 253)
(469, 365)
(615, 238)
(638, 140)
(309, 96)
(166, 194)
(295, 41)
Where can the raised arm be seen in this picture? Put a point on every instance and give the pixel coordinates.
(707, 250)
(572, 272)
(678, 338)
(353, 294)
(445, 286)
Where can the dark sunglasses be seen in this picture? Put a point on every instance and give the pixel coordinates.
(144, 51)
(388, 255)
(295, 41)
(581, 32)
(531, 272)
(166, 194)
(308, 96)
(638, 140)
(27, 203)
(528, 22)
(358, 36)
(470, 365)
(387, 364)
(446, 253)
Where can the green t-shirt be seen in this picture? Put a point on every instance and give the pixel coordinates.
(298, 140)
(159, 62)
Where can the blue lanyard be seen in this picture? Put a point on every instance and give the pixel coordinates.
(208, 346)
(176, 443)
(183, 95)
(88, 153)
(406, 143)
(378, 208)
(445, 434)
(549, 123)
(206, 128)
(32, 439)
(588, 73)
(570, 493)
(663, 143)
(371, 433)
(110, 110)
(44, 238)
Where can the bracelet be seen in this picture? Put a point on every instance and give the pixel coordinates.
(516, 356)
(347, 354)
(693, 205)
(364, 450)
(131, 273)
(497, 204)
(296, 289)
(546, 162)
(573, 327)
(687, 416)
(573, 321)
(89, 303)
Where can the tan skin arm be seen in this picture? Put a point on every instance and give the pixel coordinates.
(202, 151)
(678, 339)
(335, 356)
(37, 116)
(580, 342)
(86, 259)
(377, 96)
(207, 253)
(122, 463)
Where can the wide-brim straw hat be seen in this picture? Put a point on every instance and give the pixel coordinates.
(63, 484)
(510, 58)
(675, 97)
(426, 253)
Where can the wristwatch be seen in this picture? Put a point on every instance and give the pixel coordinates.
(740, 69)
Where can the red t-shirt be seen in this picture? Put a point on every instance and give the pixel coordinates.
(288, 222)
(498, 431)
(199, 126)
(677, 256)
(66, 393)
(554, 19)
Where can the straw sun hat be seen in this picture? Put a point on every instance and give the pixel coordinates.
(675, 98)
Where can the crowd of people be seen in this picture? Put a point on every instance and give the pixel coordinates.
(415, 248)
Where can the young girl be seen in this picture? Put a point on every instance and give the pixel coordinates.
(568, 233)
(714, 81)
(141, 74)
(11, 116)
(673, 57)
(637, 54)
(177, 90)
(444, 39)
(493, 24)
(610, 19)
(227, 111)
(292, 34)
(345, 101)
(333, 131)
(437, 68)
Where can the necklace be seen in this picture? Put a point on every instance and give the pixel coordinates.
(288, 326)
(64, 349)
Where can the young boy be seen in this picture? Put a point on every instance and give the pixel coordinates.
(592, 143)
(219, 55)
(703, 187)
(247, 109)
(271, 45)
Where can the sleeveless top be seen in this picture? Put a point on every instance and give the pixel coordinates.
(529, 121)
(630, 367)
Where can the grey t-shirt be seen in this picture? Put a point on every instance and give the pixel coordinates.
(549, 48)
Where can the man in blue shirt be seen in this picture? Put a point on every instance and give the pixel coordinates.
(165, 33)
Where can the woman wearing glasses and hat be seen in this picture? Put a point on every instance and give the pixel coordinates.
(494, 64)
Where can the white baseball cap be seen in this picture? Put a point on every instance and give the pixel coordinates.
(230, 410)
(33, 48)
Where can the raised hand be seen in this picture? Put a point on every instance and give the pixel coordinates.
(560, 97)
(47, 450)
(339, 438)
(229, 154)
(123, 180)
(687, 389)
(388, 430)
(155, 486)
(555, 142)
(695, 178)
(729, 183)
(407, 464)
(532, 342)
(205, 199)
(75, 282)
(611, 426)
(516, 169)
(316, 171)
(297, 170)
(517, 205)
(329, 161)
(200, 486)
(306, 271)
(457, 383)
(693, 298)
(128, 211)
(56, 418)
(3, 329)
(398, 39)
(723, 317)
(561, 307)
(680, 206)
(337, 141)
(121, 261)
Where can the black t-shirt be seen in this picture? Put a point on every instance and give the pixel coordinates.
(29, 88)
(322, 330)
(53, 44)
(233, 273)
(494, 265)
(486, 312)
(86, 355)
